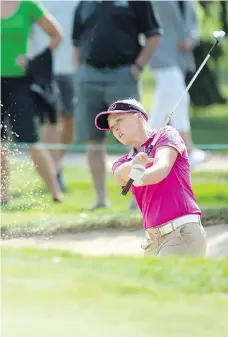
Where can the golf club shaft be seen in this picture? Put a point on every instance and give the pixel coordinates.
(130, 181)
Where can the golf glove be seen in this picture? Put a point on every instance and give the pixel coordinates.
(137, 173)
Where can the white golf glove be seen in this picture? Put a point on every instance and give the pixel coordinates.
(137, 173)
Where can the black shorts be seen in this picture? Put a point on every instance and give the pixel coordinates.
(64, 91)
(47, 113)
(17, 110)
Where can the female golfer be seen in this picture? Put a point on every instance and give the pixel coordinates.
(162, 181)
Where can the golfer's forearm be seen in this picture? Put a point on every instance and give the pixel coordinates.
(124, 171)
(148, 50)
(155, 174)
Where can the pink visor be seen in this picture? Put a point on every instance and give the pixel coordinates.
(101, 120)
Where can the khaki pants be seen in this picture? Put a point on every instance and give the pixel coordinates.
(187, 240)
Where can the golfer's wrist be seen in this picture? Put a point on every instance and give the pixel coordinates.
(125, 170)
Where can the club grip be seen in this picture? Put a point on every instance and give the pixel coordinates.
(126, 188)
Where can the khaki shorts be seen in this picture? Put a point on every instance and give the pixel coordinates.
(96, 90)
(187, 240)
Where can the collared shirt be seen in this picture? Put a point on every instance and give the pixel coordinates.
(107, 32)
(173, 196)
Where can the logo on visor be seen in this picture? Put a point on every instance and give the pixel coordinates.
(112, 107)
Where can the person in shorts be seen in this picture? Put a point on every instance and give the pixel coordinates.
(110, 57)
(171, 62)
(162, 180)
(17, 110)
(59, 129)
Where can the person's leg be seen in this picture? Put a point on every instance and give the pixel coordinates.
(66, 131)
(23, 125)
(97, 163)
(66, 86)
(180, 119)
(66, 108)
(46, 168)
(161, 105)
(165, 98)
(119, 84)
(187, 240)
(50, 127)
(50, 134)
(90, 103)
(170, 86)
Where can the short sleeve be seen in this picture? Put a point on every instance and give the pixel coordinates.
(171, 137)
(36, 10)
(77, 26)
(147, 19)
(119, 162)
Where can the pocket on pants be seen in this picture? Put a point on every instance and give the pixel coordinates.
(188, 234)
(194, 236)
(191, 232)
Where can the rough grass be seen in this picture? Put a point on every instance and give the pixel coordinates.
(54, 294)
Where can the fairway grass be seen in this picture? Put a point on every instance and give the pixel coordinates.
(54, 294)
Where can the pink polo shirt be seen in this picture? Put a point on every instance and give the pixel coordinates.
(172, 197)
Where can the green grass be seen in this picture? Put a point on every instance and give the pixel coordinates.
(54, 294)
(31, 206)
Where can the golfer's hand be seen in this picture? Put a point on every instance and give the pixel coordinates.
(138, 170)
(143, 159)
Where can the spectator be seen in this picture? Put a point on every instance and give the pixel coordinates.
(110, 59)
(17, 18)
(64, 78)
(170, 63)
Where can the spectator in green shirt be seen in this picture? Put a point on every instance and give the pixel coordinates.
(17, 19)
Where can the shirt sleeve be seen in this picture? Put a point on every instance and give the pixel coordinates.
(171, 137)
(36, 10)
(77, 26)
(147, 18)
(118, 163)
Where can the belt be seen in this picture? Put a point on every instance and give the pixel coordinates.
(106, 66)
(170, 226)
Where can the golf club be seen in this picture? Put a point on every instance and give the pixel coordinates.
(218, 35)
